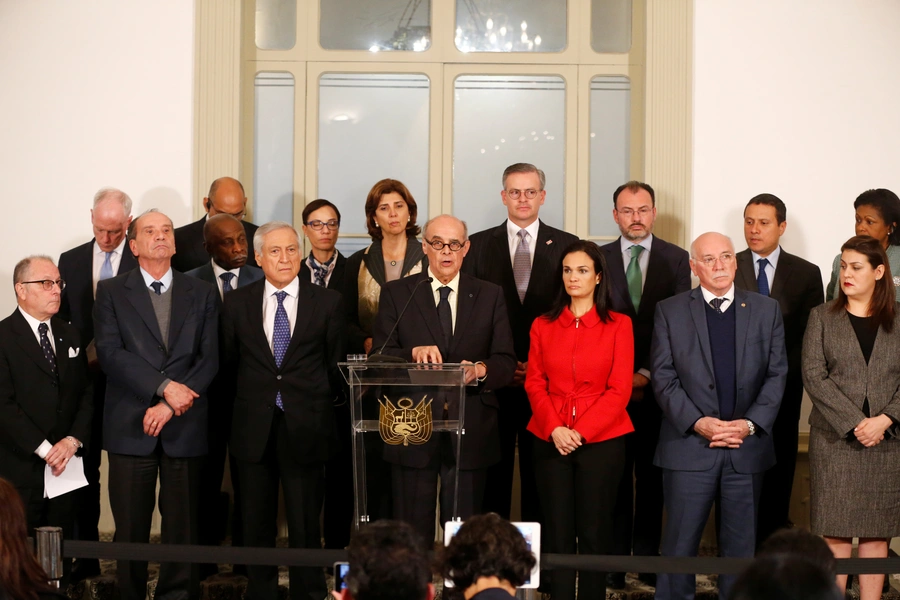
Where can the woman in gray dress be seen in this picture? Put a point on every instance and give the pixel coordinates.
(852, 374)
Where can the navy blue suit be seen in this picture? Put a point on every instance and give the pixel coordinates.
(695, 475)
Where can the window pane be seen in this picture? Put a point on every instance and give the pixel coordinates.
(499, 120)
(611, 25)
(375, 25)
(273, 148)
(276, 24)
(610, 148)
(511, 25)
(371, 126)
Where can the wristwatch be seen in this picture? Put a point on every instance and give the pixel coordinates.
(75, 442)
(751, 426)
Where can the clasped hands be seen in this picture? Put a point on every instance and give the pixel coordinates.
(722, 434)
(566, 440)
(58, 456)
(179, 398)
(431, 354)
(870, 431)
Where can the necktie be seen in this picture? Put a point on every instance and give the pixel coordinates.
(717, 304)
(762, 282)
(47, 348)
(633, 276)
(281, 337)
(106, 268)
(157, 287)
(226, 282)
(445, 316)
(320, 272)
(522, 265)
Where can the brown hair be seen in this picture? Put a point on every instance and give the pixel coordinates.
(882, 304)
(21, 576)
(390, 186)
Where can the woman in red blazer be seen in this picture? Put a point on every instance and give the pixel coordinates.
(579, 382)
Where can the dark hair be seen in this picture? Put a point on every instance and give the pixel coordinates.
(133, 227)
(802, 544)
(601, 292)
(487, 546)
(21, 576)
(784, 577)
(887, 204)
(388, 560)
(316, 205)
(390, 186)
(635, 186)
(883, 297)
(773, 201)
(524, 168)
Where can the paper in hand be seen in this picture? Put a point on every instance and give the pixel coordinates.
(68, 481)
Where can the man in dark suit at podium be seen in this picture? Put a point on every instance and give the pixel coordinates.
(226, 195)
(521, 255)
(105, 256)
(765, 267)
(453, 318)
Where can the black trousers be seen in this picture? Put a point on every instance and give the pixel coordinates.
(513, 417)
(415, 491)
(338, 512)
(214, 515)
(132, 496)
(639, 506)
(55, 512)
(578, 494)
(87, 513)
(304, 488)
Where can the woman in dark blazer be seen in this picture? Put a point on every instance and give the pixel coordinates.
(578, 381)
(851, 371)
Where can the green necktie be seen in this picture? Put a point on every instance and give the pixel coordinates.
(633, 277)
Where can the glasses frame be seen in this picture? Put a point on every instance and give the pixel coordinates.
(530, 193)
(439, 244)
(48, 283)
(317, 225)
(709, 262)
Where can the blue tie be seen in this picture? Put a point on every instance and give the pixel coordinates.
(762, 282)
(281, 337)
(226, 282)
(106, 268)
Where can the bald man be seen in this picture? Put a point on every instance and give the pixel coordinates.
(226, 196)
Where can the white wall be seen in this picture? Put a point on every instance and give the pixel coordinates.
(798, 99)
(95, 94)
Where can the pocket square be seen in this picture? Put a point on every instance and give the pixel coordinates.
(73, 352)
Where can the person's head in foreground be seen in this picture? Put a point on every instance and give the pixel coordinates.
(785, 577)
(21, 577)
(802, 544)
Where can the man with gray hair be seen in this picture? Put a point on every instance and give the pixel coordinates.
(81, 268)
(282, 338)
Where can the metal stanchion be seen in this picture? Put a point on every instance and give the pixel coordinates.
(49, 552)
(526, 594)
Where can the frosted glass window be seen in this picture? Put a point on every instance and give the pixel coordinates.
(371, 127)
(511, 25)
(610, 149)
(273, 148)
(375, 25)
(499, 120)
(611, 25)
(276, 24)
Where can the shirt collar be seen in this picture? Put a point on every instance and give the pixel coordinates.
(166, 279)
(292, 289)
(772, 258)
(626, 244)
(588, 319)
(217, 270)
(512, 230)
(729, 295)
(436, 284)
(118, 250)
(33, 323)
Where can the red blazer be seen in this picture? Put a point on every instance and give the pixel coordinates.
(580, 374)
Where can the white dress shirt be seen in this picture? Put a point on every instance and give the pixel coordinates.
(99, 258)
(643, 259)
(512, 236)
(728, 296)
(165, 280)
(770, 268)
(270, 305)
(218, 271)
(452, 298)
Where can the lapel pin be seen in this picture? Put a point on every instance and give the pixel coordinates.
(470, 295)
(743, 305)
(549, 242)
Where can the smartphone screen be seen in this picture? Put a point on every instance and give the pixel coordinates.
(340, 575)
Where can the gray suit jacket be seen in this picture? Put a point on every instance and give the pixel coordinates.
(684, 381)
(837, 377)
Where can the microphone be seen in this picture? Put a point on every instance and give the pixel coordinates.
(378, 356)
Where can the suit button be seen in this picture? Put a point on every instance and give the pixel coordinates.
(278, 377)
(160, 348)
(270, 407)
(712, 387)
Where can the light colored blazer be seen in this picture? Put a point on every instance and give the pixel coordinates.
(837, 378)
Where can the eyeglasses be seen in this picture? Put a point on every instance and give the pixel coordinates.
(726, 257)
(530, 194)
(48, 284)
(318, 225)
(630, 212)
(438, 245)
(238, 215)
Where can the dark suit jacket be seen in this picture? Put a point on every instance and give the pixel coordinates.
(336, 281)
(247, 275)
(76, 268)
(668, 273)
(481, 334)
(189, 250)
(33, 406)
(488, 259)
(309, 379)
(797, 286)
(131, 353)
(684, 381)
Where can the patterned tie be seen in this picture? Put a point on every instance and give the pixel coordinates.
(762, 282)
(47, 348)
(633, 276)
(106, 268)
(445, 315)
(522, 265)
(281, 337)
(157, 287)
(226, 282)
(717, 304)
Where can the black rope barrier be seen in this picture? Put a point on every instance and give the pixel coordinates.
(299, 557)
